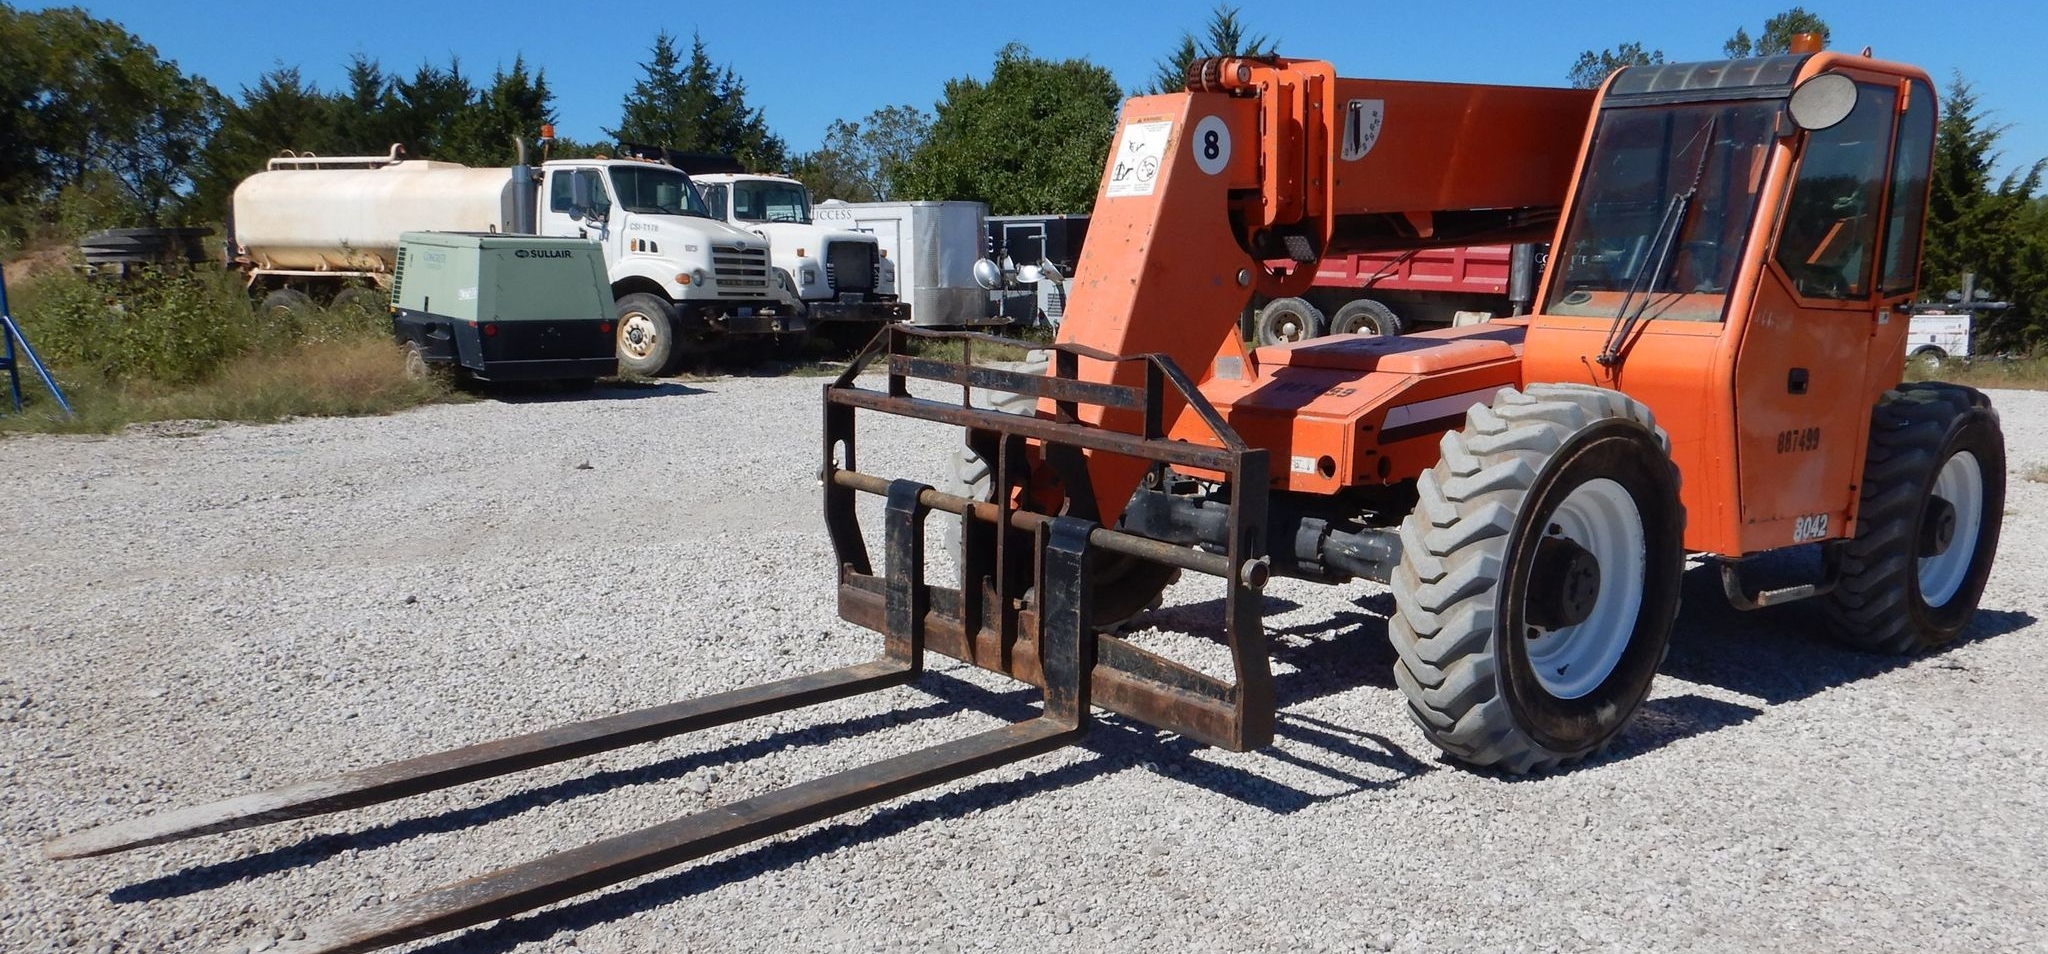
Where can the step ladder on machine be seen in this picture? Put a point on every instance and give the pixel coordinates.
(16, 349)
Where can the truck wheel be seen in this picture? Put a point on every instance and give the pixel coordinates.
(1365, 317)
(1933, 502)
(285, 303)
(367, 300)
(418, 368)
(1932, 355)
(1123, 586)
(647, 334)
(1539, 577)
(1287, 319)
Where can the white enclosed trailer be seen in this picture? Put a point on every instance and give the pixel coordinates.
(934, 246)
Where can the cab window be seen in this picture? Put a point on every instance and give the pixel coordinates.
(714, 198)
(560, 196)
(1909, 192)
(1828, 242)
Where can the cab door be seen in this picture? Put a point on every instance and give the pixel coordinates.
(1808, 356)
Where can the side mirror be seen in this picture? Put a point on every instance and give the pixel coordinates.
(584, 192)
(1823, 101)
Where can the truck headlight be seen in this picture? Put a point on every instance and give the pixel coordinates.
(700, 276)
(810, 276)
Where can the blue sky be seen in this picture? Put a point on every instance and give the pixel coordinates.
(807, 63)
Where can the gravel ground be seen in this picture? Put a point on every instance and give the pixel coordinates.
(191, 612)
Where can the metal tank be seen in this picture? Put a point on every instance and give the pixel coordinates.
(349, 219)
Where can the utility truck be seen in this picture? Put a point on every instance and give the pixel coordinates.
(844, 280)
(316, 228)
(1712, 369)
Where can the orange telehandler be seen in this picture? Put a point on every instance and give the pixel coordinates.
(1712, 369)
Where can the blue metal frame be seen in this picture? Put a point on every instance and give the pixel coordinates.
(10, 358)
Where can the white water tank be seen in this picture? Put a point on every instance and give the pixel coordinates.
(350, 219)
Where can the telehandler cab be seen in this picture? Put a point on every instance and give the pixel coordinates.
(1713, 369)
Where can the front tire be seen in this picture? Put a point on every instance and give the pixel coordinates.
(647, 334)
(1933, 502)
(1539, 578)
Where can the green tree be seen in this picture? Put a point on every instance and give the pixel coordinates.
(1224, 36)
(1592, 67)
(1776, 36)
(430, 113)
(282, 111)
(96, 101)
(365, 110)
(859, 160)
(516, 103)
(696, 106)
(1992, 226)
(1031, 139)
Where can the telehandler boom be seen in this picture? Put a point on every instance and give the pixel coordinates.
(1712, 369)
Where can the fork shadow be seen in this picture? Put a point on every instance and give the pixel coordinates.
(1118, 744)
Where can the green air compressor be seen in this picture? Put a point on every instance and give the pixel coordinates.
(504, 307)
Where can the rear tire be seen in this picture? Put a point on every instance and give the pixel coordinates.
(285, 303)
(1927, 525)
(647, 334)
(1366, 317)
(1539, 578)
(1285, 320)
(367, 300)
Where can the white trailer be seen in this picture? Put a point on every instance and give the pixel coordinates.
(934, 246)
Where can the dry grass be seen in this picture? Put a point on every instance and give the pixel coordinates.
(325, 378)
(2028, 374)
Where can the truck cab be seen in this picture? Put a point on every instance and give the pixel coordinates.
(684, 279)
(846, 283)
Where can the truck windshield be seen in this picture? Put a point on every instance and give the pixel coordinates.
(765, 200)
(1706, 158)
(656, 190)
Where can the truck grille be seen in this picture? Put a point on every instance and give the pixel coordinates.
(741, 271)
(856, 261)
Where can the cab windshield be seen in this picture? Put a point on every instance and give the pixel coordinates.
(1667, 196)
(655, 190)
(765, 200)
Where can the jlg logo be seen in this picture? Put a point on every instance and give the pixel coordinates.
(1810, 527)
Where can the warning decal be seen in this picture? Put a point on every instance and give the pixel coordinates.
(1135, 168)
(1362, 118)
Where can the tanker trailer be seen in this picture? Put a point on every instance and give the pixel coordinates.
(326, 229)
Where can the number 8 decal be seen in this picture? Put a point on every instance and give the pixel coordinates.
(1212, 145)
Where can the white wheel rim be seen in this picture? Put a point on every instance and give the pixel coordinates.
(1961, 483)
(1602, 517)
(637, 335)
(1287, 329)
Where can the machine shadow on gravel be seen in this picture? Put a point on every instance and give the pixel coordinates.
(1117, 745)
(544, 393)
(1772, 656)
(1782, 654)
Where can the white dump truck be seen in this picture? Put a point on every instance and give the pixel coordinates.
(327, 228)
(845, 280)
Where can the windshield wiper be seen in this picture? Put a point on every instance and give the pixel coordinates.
(1644, 281)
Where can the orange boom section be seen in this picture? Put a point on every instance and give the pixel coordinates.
(1239, 186)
